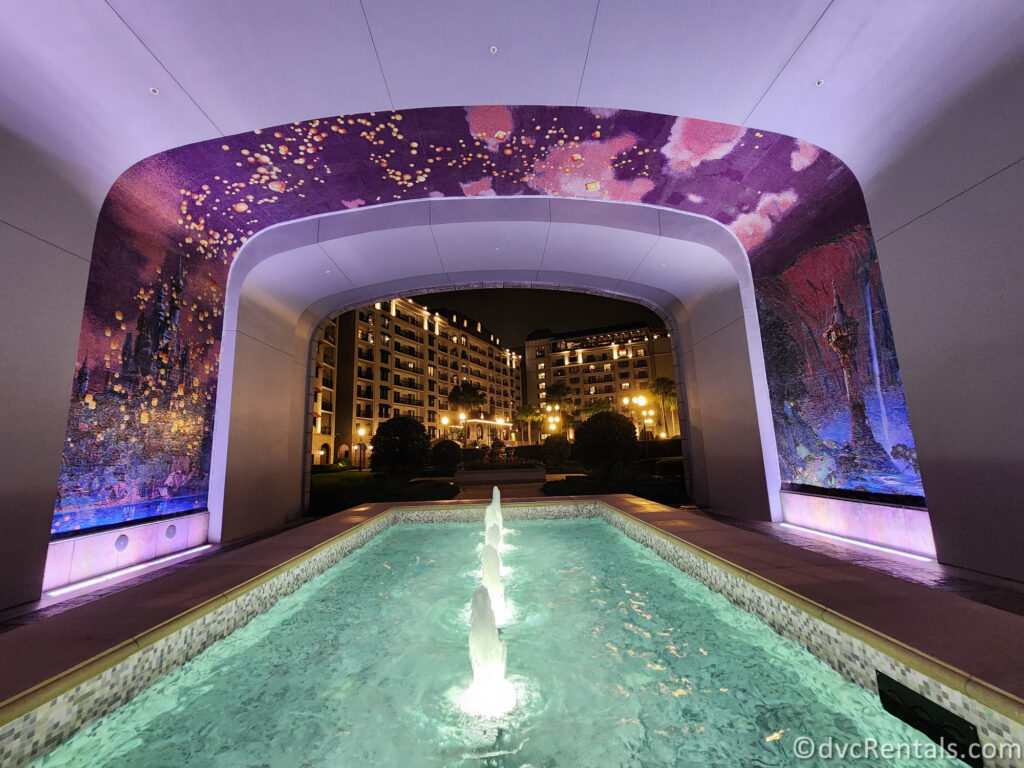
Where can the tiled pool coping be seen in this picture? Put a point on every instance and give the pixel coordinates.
(67, 670)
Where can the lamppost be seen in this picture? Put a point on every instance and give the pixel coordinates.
(648, 428)
(646, 415)
(462, 424)
(362, 447)
(501, 427)
(444, 423)
(554, 417)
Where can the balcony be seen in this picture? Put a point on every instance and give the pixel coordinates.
(365, 354)
(407, 383)
(408, 350)
(408, 318)
(364, 373)
(364, 392)
(407, 400)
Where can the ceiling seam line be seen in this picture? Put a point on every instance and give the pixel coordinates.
(433, 238)
(880, 238)
(586, 58)
(644, 257)
(264, 343)
(544, 250)
(43, 240)
(331, 259)
(376, 53)
(715, 332)
(164, 68)
(783, 69)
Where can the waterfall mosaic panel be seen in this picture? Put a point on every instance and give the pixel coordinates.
(140, 424)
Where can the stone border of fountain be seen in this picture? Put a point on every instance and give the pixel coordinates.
(37, 720)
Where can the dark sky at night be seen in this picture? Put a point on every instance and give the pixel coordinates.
(512, 313)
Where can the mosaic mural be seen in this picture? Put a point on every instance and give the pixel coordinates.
(141, 419)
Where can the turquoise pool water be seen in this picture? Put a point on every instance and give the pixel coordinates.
(618, 660)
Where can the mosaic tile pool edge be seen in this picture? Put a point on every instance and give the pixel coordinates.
(41, 730)
(851, 657)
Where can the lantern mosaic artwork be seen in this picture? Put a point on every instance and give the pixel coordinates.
(139, 433)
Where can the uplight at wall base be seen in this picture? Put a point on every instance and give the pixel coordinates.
(124, 571)
(854, 542)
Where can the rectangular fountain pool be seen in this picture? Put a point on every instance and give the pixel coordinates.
(617, 658)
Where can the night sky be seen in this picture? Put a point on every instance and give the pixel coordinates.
(512, 313)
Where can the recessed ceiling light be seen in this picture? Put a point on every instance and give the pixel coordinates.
(819, 81)
(494, 49)
(154, 91)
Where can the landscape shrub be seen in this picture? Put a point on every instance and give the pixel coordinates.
(604, 441)
(555, 451)
(400, 447)
(445, 456)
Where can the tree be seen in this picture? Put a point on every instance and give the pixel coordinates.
(529, 414)
(664, 389)
(604, 441)
(400, 448)
(466, 396)
(446, 456)
(561, 394)
(555, 451)
(595, 407)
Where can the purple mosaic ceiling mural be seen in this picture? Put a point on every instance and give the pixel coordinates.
(141, 417)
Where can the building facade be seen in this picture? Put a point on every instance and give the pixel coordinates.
(325, 363)
(616, 364)
(399, 358)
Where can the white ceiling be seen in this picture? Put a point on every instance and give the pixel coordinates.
(444, 244)
(922, 98)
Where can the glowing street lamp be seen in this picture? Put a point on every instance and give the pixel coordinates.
(444, 423)
(362, 447)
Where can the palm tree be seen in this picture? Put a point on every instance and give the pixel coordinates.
(529, 414)
(595, 407)
(664, 389)
(466, 396)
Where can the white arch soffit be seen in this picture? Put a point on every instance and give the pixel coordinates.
(301, 272)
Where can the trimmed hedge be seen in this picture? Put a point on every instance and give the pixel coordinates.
(659, 449)
(529, 452)
(671, 493)
(334, 491)
(669, 467)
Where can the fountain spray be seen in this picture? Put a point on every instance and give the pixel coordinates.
(490, 694)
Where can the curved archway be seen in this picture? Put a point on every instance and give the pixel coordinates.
(277, 298)
(173, 224)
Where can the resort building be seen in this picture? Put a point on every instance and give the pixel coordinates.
(397, 357)
(325, 386)
(616, 364)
